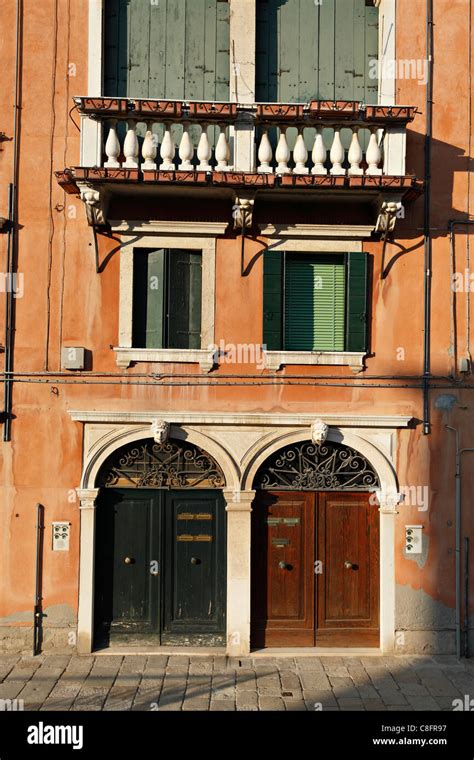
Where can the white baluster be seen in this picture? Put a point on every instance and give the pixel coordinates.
(282, 154)
(265, 154)
(222, 150)
(167, 151)
(149, 150)
(374, 154)
(186, 149)
(319, 154)
(300, 155)
(112, 146)
(204, 151)
(130, 146)
(337, 153)
(355, 154)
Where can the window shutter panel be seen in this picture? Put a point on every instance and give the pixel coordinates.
(148, 298)
(272, 301)
(314, 304)
(184, 310)
(356, 308)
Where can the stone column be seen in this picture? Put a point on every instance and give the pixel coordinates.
(85, 621)
(388, 501)
(242, 80)
(238, 571)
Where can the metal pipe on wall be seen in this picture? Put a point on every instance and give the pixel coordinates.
(427, 219)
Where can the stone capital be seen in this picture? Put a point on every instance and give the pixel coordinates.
(87, 497)
(239, 501)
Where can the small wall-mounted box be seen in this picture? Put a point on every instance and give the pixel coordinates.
(73, 357)
(61, 534)
(413, 539)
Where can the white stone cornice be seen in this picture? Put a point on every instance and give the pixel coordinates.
(249, 418)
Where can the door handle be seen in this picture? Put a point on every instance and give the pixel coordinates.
(283, 566)
(128, 560)
(195, 561)
(348, 565)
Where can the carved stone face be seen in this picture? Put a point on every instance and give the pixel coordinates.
(319, 432)
(160, 430)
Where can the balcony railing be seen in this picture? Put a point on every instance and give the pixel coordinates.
(321, 138)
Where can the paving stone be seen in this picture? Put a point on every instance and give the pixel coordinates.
(309, 663)
(413, 689)
(271, 703)
(314, 681)
(286, 664)
(7, 664)
(374, 705)
(90, 698)
(201, 668)
(220, 662)
(196, 704)
(367, 691)
(24, 670)
(122, 693)
(63, 695)
(135, 664)
(148, 693)
(359, 676)
(295, 705)
(423, 703)
(247, 700)
(219, 705)
(78, 666)
(35, 693)
(338, 671)
(392, 697)
(446, 703)
(349, 703)
(343, 687)
(441, 687)
(399, 708)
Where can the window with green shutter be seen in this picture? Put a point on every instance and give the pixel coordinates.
(167, 293)
(315, 302)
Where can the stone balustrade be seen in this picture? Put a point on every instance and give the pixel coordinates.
(319, 138)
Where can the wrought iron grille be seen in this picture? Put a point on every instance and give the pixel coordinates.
(174, 464)
(307, 467)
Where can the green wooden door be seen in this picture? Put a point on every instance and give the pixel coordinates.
(315, 50)
(160, 567)
(194, 599)
(177, 49)
(128, 540)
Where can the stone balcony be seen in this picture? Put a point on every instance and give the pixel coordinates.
(320, 151)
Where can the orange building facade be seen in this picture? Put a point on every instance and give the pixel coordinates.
(221, 456)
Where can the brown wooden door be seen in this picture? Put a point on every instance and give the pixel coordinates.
(315, 581)
(283, 569)
(348, 587)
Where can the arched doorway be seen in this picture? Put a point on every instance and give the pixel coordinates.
(315, 548)
(160, 556)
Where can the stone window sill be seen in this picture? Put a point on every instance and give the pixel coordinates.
(276, 359)
(203, 357)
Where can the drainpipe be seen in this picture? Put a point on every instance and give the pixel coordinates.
(427, 218)
(12, 243)
(452, 234)
(457, 521)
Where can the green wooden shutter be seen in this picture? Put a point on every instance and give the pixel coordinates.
(307, 50)
(148, 298)
(176, 49)
(314, 303)
(184, 299)
(356, 308)
(272, 300)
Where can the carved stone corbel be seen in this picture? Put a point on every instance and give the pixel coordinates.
(387, 212)
(160, 430)
(319, 432)
(242, 210)
(95, 203)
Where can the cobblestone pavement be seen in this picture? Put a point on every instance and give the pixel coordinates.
(177, 682)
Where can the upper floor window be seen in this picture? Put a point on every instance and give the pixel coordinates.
(177, 49)
(316, 50)
(315, 302)
(167, 289)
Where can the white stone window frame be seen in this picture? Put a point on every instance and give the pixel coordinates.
(274, 360)
(126, 352)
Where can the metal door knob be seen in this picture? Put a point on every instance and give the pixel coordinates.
(195, 561)
(282, 565)
(348, 565)
(128, 560)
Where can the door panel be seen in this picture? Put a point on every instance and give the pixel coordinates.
(348, 587)
(195, 568)
(282, 569)
(127, 594)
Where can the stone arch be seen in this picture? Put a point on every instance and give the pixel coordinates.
(262, 450)
(124, 435)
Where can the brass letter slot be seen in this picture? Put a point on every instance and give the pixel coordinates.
(192, 516)
(291, 520)
(280, 541)
(273, 520)
(189, 537)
